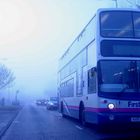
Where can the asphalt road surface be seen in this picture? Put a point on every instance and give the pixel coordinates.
(36, 123)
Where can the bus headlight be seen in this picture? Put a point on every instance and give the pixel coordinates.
(111, 106)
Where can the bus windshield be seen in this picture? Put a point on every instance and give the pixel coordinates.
(119, 76)
(120, 24)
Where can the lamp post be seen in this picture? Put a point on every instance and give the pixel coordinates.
(16, 99)
(116, 3)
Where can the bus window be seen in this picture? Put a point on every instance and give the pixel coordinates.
(119, 77)
(116, 24)
(67, 88)
(92, 74)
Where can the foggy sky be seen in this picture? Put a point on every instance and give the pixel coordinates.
(35, 33)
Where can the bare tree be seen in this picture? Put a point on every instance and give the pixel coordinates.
(6, 76)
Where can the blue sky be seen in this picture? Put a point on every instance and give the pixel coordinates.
(35, 33)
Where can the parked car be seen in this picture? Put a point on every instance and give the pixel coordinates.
(52, 104)
(42, 102)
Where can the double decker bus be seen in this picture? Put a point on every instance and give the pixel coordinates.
(99, 74)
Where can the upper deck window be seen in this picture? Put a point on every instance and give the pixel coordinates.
(120, 24)
(116, 24)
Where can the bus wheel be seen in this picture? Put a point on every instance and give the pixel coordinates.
(62, 110)
(82, 116)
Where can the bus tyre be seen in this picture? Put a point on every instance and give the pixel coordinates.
(82, 116)
(62, 110)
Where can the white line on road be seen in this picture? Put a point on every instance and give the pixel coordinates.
(80, 128)
(2, 124)
(16, 122)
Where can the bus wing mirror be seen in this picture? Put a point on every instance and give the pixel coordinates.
(93, 72)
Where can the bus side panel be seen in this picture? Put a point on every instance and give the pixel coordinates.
(91, 102)
(91, 108)
(71, 106)
(71, 111)
(74, 60)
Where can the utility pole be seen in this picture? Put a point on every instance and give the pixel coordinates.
(116, 3)
(16, 96)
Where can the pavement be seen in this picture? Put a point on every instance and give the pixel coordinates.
(7, 115)
(36, 123)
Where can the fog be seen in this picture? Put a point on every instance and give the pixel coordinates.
(33, 36)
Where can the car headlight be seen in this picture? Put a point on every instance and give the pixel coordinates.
(111, 106)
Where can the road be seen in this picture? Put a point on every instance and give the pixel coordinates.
(36, 123)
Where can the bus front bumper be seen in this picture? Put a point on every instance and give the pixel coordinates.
(118, 118)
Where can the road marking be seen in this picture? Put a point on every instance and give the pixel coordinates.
(2, 124)
(77, 126)
(59, 115)
(16, 122)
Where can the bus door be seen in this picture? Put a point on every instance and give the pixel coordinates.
(91, 87)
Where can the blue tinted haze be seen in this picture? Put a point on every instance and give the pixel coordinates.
(35, 33)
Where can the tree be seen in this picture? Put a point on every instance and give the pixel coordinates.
(6, 76)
